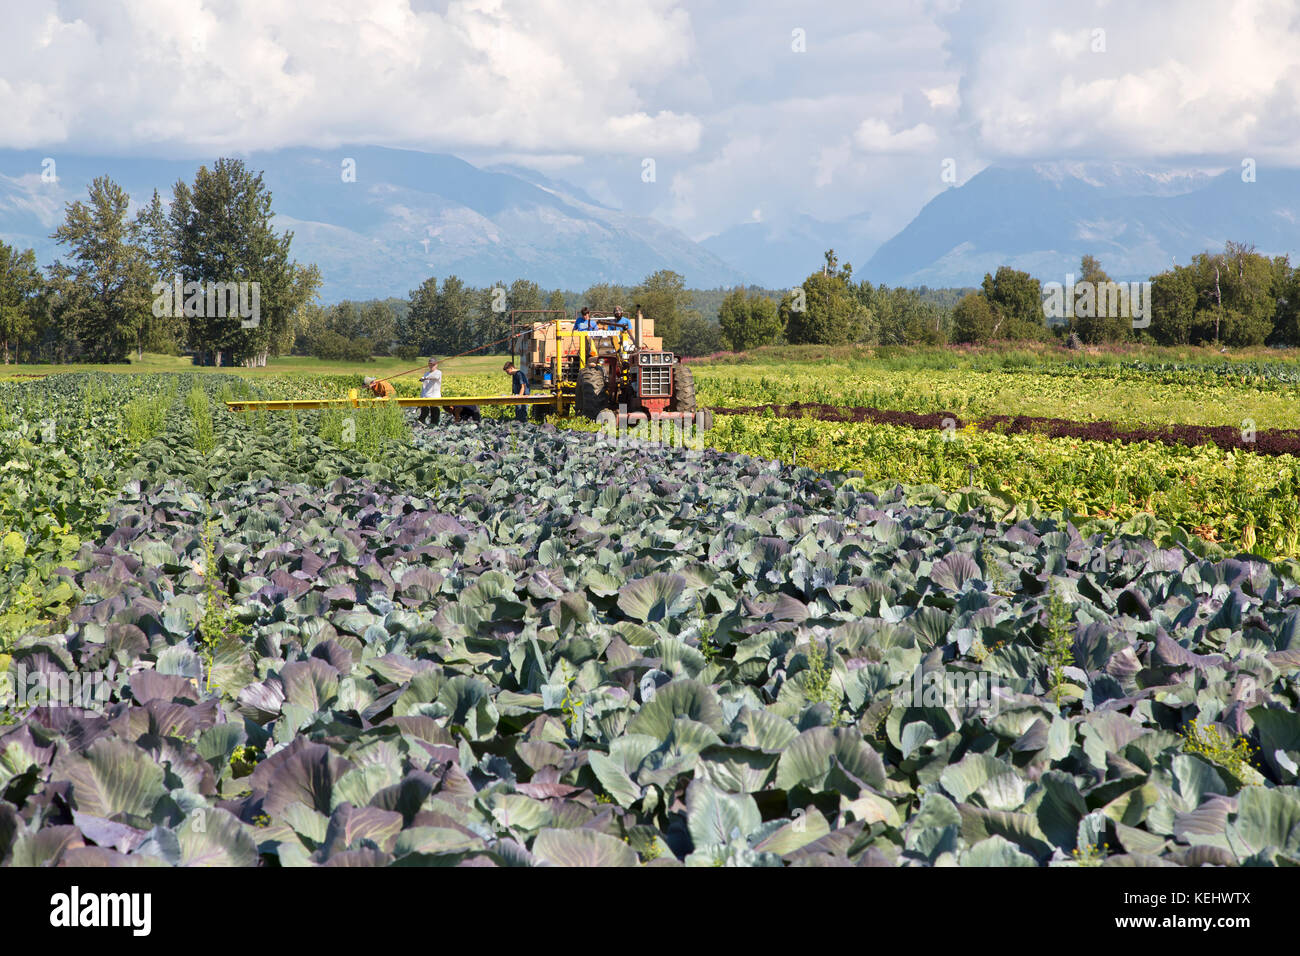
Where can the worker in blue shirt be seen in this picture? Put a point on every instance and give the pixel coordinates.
(518, 386)
(621, 321)
(585, 322)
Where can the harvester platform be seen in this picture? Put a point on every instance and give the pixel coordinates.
(355, 401)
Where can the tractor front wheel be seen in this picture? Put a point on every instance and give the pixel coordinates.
(683, 390)
(592, 392)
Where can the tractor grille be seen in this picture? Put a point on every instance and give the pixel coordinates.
(656, 381)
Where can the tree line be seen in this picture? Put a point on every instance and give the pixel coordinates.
(829, 308)
(1237, 297)
(208, 274)
(446, 317)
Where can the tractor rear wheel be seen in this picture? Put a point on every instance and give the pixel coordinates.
(592, 397)
(683, 390)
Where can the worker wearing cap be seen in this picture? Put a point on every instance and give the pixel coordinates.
(430, 387)
(379, 387)
(620, 320)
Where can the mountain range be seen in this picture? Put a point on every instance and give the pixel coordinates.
(401, 217)
(1042, 218)
(383, 223)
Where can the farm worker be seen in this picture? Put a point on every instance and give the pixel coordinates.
(466, 413)
(381, 389)
(430, 387)
(585, 322)
(621, 321)
(518, 386)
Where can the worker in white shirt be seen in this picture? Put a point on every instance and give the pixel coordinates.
(431, 387)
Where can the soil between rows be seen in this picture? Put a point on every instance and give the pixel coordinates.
(1268, 441)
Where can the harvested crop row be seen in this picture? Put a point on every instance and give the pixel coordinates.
(554, 650)
(1269, 441)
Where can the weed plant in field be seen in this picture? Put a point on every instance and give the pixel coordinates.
(1058, 649)
(201, 413)
(1233, 754)
(219, 624)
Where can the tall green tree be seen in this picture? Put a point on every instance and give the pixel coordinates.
(166, 332)
(221, 232)
(698, 336)
(827, 313)
(417, 331)
(1236, 296)
(104, 285)
(1173, 305)
(1286, 295)
(20, 289)
(973, 320)
(663, 297)
(749, 321)
(453, 326)
(524, 295)
(378, 324)
(902, 316)
(603, 297)
(1093, 320)
(1016, 299)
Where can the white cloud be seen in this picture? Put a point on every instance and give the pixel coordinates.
(1173, 78)
(551, 75)
(735, 119)
(942, 97)
(874, 136)
(829, 160)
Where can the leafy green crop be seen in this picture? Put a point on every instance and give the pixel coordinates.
(1235, 499)
(511, 644)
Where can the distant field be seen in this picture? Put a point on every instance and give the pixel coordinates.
(1138, 387)
(998, 356)
(1233, 497)
(380, 366)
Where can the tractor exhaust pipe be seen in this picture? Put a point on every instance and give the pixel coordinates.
(636, 335)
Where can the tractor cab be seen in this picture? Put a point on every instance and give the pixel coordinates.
(609, 368)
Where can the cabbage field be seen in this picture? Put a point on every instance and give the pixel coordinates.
(332, 638)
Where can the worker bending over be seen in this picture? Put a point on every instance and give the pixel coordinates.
(379, 387)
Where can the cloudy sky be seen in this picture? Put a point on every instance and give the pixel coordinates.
(754, 110)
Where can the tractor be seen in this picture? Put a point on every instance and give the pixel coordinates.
(615, 369)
